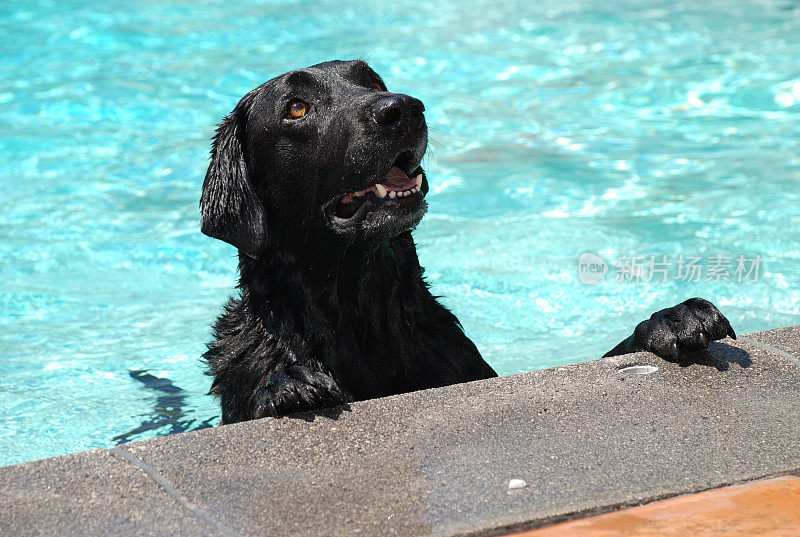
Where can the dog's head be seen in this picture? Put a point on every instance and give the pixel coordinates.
(325, 149)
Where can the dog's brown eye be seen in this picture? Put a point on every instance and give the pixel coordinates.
(297, 110)
(377, 86)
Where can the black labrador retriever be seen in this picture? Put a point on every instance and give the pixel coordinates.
(315, 177)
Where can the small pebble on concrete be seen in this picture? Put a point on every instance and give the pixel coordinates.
(517, 484)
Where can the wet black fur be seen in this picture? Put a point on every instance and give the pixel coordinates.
(328, 314)
(324, 316)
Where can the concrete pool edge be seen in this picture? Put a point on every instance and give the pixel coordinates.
(586, 438)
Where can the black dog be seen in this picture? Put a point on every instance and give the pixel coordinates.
(315, 177)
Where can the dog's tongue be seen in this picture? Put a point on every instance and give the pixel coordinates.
(397, 179)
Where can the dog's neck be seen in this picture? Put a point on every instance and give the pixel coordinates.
(327, 279)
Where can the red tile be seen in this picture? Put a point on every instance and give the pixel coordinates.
(768, 508)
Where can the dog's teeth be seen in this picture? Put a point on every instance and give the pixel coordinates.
(419, 181)
(414, 190)
(392, 194)
(381, 190)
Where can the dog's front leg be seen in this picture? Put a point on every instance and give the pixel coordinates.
(676, 331)
(295, 389)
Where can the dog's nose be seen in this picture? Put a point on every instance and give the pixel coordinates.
(394, 110)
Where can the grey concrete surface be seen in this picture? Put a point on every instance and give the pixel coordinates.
(90, 494)
(586, 438)
(781, 341)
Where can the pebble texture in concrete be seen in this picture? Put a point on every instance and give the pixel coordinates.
(585, 438)
(782, 341)
(91, 493)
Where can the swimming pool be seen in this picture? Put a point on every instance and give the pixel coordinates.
(619, 129)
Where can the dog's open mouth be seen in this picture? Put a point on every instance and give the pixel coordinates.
(398, 190)
(397, 186)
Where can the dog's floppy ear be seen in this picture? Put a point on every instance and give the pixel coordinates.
(230, 207)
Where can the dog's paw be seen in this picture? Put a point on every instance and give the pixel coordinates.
(298, 388)
(681, 329)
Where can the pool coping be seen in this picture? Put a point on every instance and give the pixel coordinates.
(586, 439)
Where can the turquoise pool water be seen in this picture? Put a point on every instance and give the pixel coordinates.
(620, 128)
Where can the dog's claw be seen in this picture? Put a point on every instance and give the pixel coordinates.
(703, 339)
(729, 330)
(673, 350)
